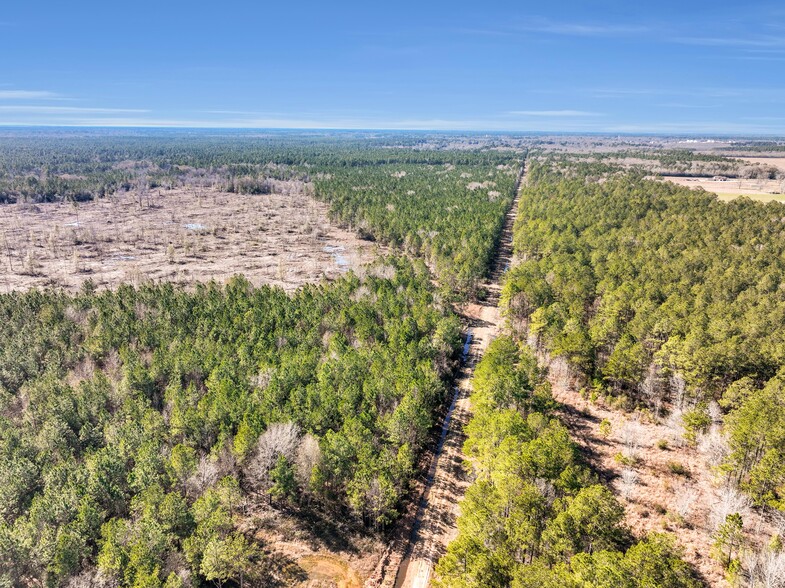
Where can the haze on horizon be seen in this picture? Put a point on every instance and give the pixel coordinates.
(699, 67)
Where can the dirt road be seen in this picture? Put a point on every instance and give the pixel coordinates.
(435, 525)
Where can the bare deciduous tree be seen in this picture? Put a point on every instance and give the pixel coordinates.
(31, 263)
(714, 446)
(209, 471)
(631, 435)
(652, 389)
(262, 379)
(177, 564)
(308, 456)
(92, 578)
(547, 489)
(142, 190)
(765, 569)
(629, 479)
(715, 412)
(679, 389)
(686, 496)
(777, 519)
(676, 427)
(278, 439)
(729, 501)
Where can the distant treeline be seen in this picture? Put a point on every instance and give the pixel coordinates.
(677, 162)
(48, 167)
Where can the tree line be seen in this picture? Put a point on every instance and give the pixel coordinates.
(450, 214)
(57, 165)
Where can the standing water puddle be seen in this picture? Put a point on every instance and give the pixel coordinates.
(337, 252)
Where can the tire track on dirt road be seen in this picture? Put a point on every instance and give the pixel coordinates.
(435, 523)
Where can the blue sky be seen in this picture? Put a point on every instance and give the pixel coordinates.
(607, 66)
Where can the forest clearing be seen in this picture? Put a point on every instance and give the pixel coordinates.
(284, 238)
(730, 188)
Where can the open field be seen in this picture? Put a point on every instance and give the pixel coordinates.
(762, 190)
(180, 235)
(778, 162)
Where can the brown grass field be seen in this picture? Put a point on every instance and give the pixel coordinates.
(761, 190)
(179, 235)
(778, 162)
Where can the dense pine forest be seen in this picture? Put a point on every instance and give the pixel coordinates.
(450, 214)
(137, 423)
(663, 300)
(665, 295)
(535, 515)
(142, 427)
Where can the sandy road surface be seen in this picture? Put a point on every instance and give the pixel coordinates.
(438, 510)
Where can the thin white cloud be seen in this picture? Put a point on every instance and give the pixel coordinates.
(547, 26)
(686, 105)
(554, 113)
(765, 41)
(241, 112)
(741, 93)
(580, 29)
(758, 57)
(57, 110)
(622, 92)
(764, 118)
(29, 95)
(485, 32)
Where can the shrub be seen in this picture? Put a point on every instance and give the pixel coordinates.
(678, 468)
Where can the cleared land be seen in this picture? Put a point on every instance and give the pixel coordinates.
(313, 553)
(181, 235)
(762, 190)
(778, 162)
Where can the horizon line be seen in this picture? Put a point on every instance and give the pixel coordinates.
(709, 135)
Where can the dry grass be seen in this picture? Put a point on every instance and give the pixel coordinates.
(778, 162)
(328, 571)
(177, 235)
(762, 190)
(314, 553)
